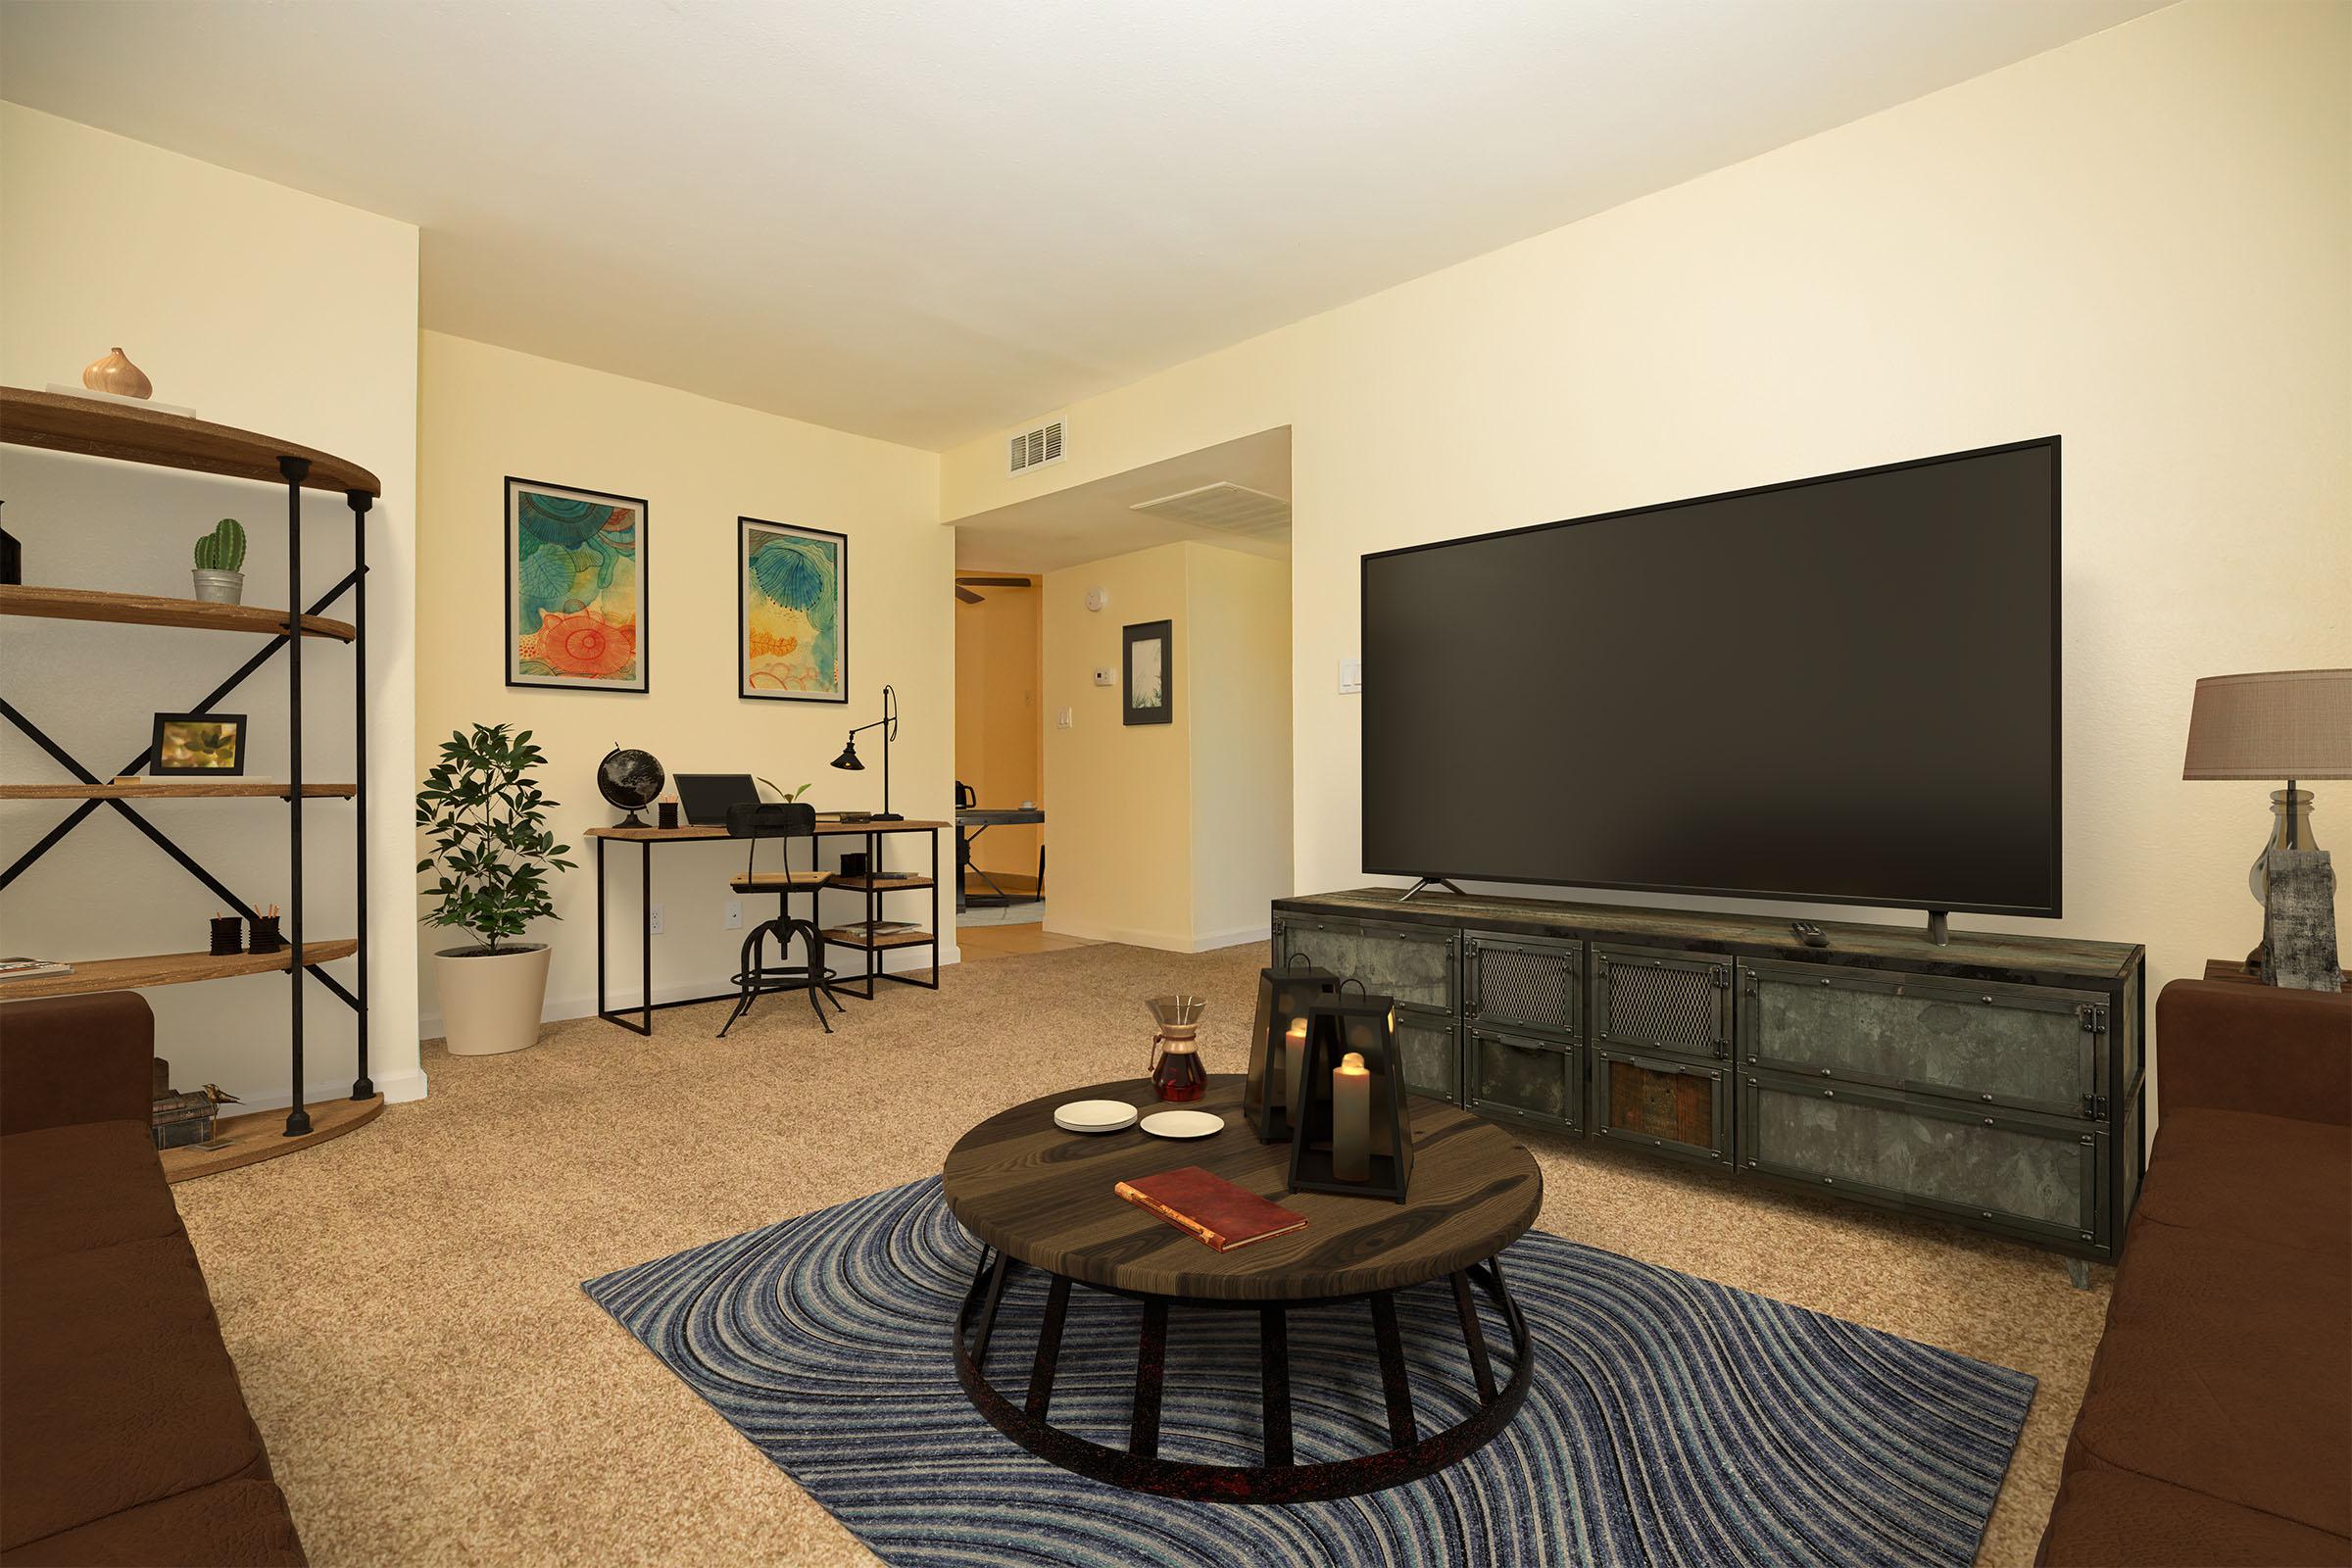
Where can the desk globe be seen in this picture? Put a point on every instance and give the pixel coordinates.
(631, 781)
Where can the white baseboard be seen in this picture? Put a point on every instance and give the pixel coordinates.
(395, 1087)
(1213, 940)
(619, 996)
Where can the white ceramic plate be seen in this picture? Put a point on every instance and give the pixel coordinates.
(1093, 1115)
(1183, 1124)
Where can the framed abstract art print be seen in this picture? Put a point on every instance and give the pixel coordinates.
(576, 588)
(791, 612)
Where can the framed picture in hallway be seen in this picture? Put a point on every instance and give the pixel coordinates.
(791, 612)
(576, 588)
(1150, 684)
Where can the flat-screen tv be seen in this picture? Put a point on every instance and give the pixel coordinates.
(1841, 689)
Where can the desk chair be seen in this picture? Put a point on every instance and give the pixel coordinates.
(787, 821)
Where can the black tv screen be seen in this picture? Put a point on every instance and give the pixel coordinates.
(1841, 689)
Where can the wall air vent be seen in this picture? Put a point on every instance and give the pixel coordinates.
(1035, 448)
(1226, 508)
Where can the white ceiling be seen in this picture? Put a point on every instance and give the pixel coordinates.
(925, 220)
(1092, 522)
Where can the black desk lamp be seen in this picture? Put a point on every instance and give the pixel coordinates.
(848, 758)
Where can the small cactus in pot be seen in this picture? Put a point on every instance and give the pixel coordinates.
(220, 562)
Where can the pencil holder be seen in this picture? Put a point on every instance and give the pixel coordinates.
(227, 931)
(265, 935)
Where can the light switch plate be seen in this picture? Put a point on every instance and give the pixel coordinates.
(1352, 675)
(1061, 720)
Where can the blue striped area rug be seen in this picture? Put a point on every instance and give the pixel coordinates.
(1670, 1420)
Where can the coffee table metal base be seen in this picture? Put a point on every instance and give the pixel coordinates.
(1139, 1468)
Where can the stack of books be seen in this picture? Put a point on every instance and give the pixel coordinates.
(183, 1120)
(26, 968)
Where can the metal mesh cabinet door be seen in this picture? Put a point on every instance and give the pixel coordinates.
(2031, 1047)
(1661, 1103)
(1525, 1078)
(1652, 1002)
(2038, 1176)
(1425, 1047)
(1522, 984)
(1413, 963)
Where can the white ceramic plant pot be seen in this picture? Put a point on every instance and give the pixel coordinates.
(491, 1001)
(220, 587)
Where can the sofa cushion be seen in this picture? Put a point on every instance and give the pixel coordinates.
(2223, 1370)
(2105, 1515)
(114, 1388)
(2264, 1177)
(73, 1188)
(228, 1522)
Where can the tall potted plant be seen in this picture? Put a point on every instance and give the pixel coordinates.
(491, 857)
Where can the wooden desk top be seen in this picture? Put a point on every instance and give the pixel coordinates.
(671, 835)
(1045, 1197)
(985, 817)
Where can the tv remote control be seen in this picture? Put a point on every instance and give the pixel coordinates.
(1808, 933)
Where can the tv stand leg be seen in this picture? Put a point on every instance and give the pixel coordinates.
(1940, 927)
(1428, 882)
(2078, 1273)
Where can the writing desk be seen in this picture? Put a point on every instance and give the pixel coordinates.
(870, 887)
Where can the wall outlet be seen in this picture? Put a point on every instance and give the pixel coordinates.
(1352, 675)
(734, 914)
(1062, 719)
(657, 913)
(1103, 676)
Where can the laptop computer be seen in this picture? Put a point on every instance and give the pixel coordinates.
(706, 797)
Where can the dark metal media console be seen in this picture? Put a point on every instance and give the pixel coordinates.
(1992, 1080)
(1138, 1467)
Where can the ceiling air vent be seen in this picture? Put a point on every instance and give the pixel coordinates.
(1227, 508)
(1034, 449)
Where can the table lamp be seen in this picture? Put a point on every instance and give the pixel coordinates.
(2289, 725)
(848, 759)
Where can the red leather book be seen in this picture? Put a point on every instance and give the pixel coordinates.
(1210, 1208)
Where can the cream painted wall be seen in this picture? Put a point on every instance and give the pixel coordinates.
(275, 310)
(1000, 739)
(2140, 241)
(487, 412)
(1239, 621)
(1170, 836)
(1122, 812)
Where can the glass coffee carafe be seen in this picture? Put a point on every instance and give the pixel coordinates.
(1176, 1071)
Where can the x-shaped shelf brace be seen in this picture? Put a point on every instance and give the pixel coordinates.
(130, 814)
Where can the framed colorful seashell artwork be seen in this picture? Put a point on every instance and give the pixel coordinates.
(576, 588)
(791, 607)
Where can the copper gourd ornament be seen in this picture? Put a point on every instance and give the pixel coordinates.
(116, 374)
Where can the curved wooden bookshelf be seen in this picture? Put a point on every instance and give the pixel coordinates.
(167, 969)
(147, 609)
(262, 1135)
(101, 429)
(161, 789)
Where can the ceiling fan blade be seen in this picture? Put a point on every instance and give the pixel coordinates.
(994, 582)
(967, 596)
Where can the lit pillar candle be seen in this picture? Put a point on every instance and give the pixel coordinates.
(1294, 1064)
(1352, 1120)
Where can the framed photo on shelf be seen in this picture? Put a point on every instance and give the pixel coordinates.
(1147, 686)
(791, 612)
(198, 746)
(576, 588)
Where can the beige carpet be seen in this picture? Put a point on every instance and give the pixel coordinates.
(403, 1303)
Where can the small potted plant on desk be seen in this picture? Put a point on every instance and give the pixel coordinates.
(492, 855)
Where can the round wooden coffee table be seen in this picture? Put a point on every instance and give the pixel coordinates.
(1037, 1195)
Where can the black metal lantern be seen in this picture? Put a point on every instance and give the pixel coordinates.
(1276, 1061)
(1339, 1024)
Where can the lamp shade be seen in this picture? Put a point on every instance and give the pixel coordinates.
(849, 759)
(2288, 723)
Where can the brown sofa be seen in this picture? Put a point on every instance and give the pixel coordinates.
(2218, 1425)
(124, 1435)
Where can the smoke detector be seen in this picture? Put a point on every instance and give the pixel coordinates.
(1225, 507)
(1033, 448)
